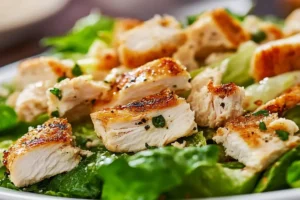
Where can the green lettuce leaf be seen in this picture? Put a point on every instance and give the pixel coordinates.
(294, 115)
(8, 117)
(82, 35)
(274, 178)
(293, 175)
(269, 88)
(188, 172)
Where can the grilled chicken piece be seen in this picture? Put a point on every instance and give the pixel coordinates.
(152, 121)
(147, 80)
(32, 101)
(121, 26)
(214, 31)
(254, 25)
(42, 69)
(276, 57)
(155, 38)
(73, 98)
(254, 147)
(292, 23)
(42, 153)
(284, 102)
(213, 103)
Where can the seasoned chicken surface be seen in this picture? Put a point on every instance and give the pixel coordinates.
(155, 38)
(276, 57)
(155, 120)
(146, 80)
(257, 141)
(214, 103)
(292, 23)
(43, 152)
(73, 98)
(42, 69)
(214, 31)
(284, 102)
(32, 101)
(254, 25)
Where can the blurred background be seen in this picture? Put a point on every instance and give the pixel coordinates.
(24, 22)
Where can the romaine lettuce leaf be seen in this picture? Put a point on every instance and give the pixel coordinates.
(293, 175)
(8, 118)
(294, 115)
(82, 35)
(174, 173)
(269, 88)
(274, 178)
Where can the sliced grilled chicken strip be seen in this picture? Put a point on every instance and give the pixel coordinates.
(146, 80)
(276, 57)
(73, 98)
(32, 101)
(284, 102)
(155, 38)
(292, 23)
(256, 145)
(43, 152)
(214, 103)
(155, 120)
(42, 69)
(213, 31)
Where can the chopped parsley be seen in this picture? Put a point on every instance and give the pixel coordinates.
(57, 92)
(55, 114)
(147, 127)
(59, 79)
(258, 36)
(76, 71)
(159, 121)
(261, 112)
(283, 135)
(262, 126)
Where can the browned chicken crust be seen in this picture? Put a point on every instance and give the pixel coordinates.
(55, 130)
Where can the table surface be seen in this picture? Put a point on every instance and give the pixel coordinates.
(78, 8)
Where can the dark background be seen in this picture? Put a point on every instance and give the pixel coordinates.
(65, 19)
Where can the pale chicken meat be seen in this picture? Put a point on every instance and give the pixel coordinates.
(214, 103)
(156, 38)
(43, 152)
(32, 101)
(146, 80)
(254, 25)
(213, 31)
(155, 120)
(257, 140)
(284, 102)
(73, 98)
(42, 69)
(276, 57)
(292, 23)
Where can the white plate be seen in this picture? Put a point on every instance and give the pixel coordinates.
(7, 74)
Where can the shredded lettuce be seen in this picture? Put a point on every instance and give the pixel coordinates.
(269, 88)
(82, 35)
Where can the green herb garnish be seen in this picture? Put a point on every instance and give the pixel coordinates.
(258, 36)
(262, 126)
(56, 92)
(55, 114)
(283, 135)
(159, 121)
(59, 79)
(76, 71)
(261, 112)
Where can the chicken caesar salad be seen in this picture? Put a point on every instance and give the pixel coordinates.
(157, 109)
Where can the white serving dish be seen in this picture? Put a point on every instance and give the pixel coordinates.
(7, 74)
